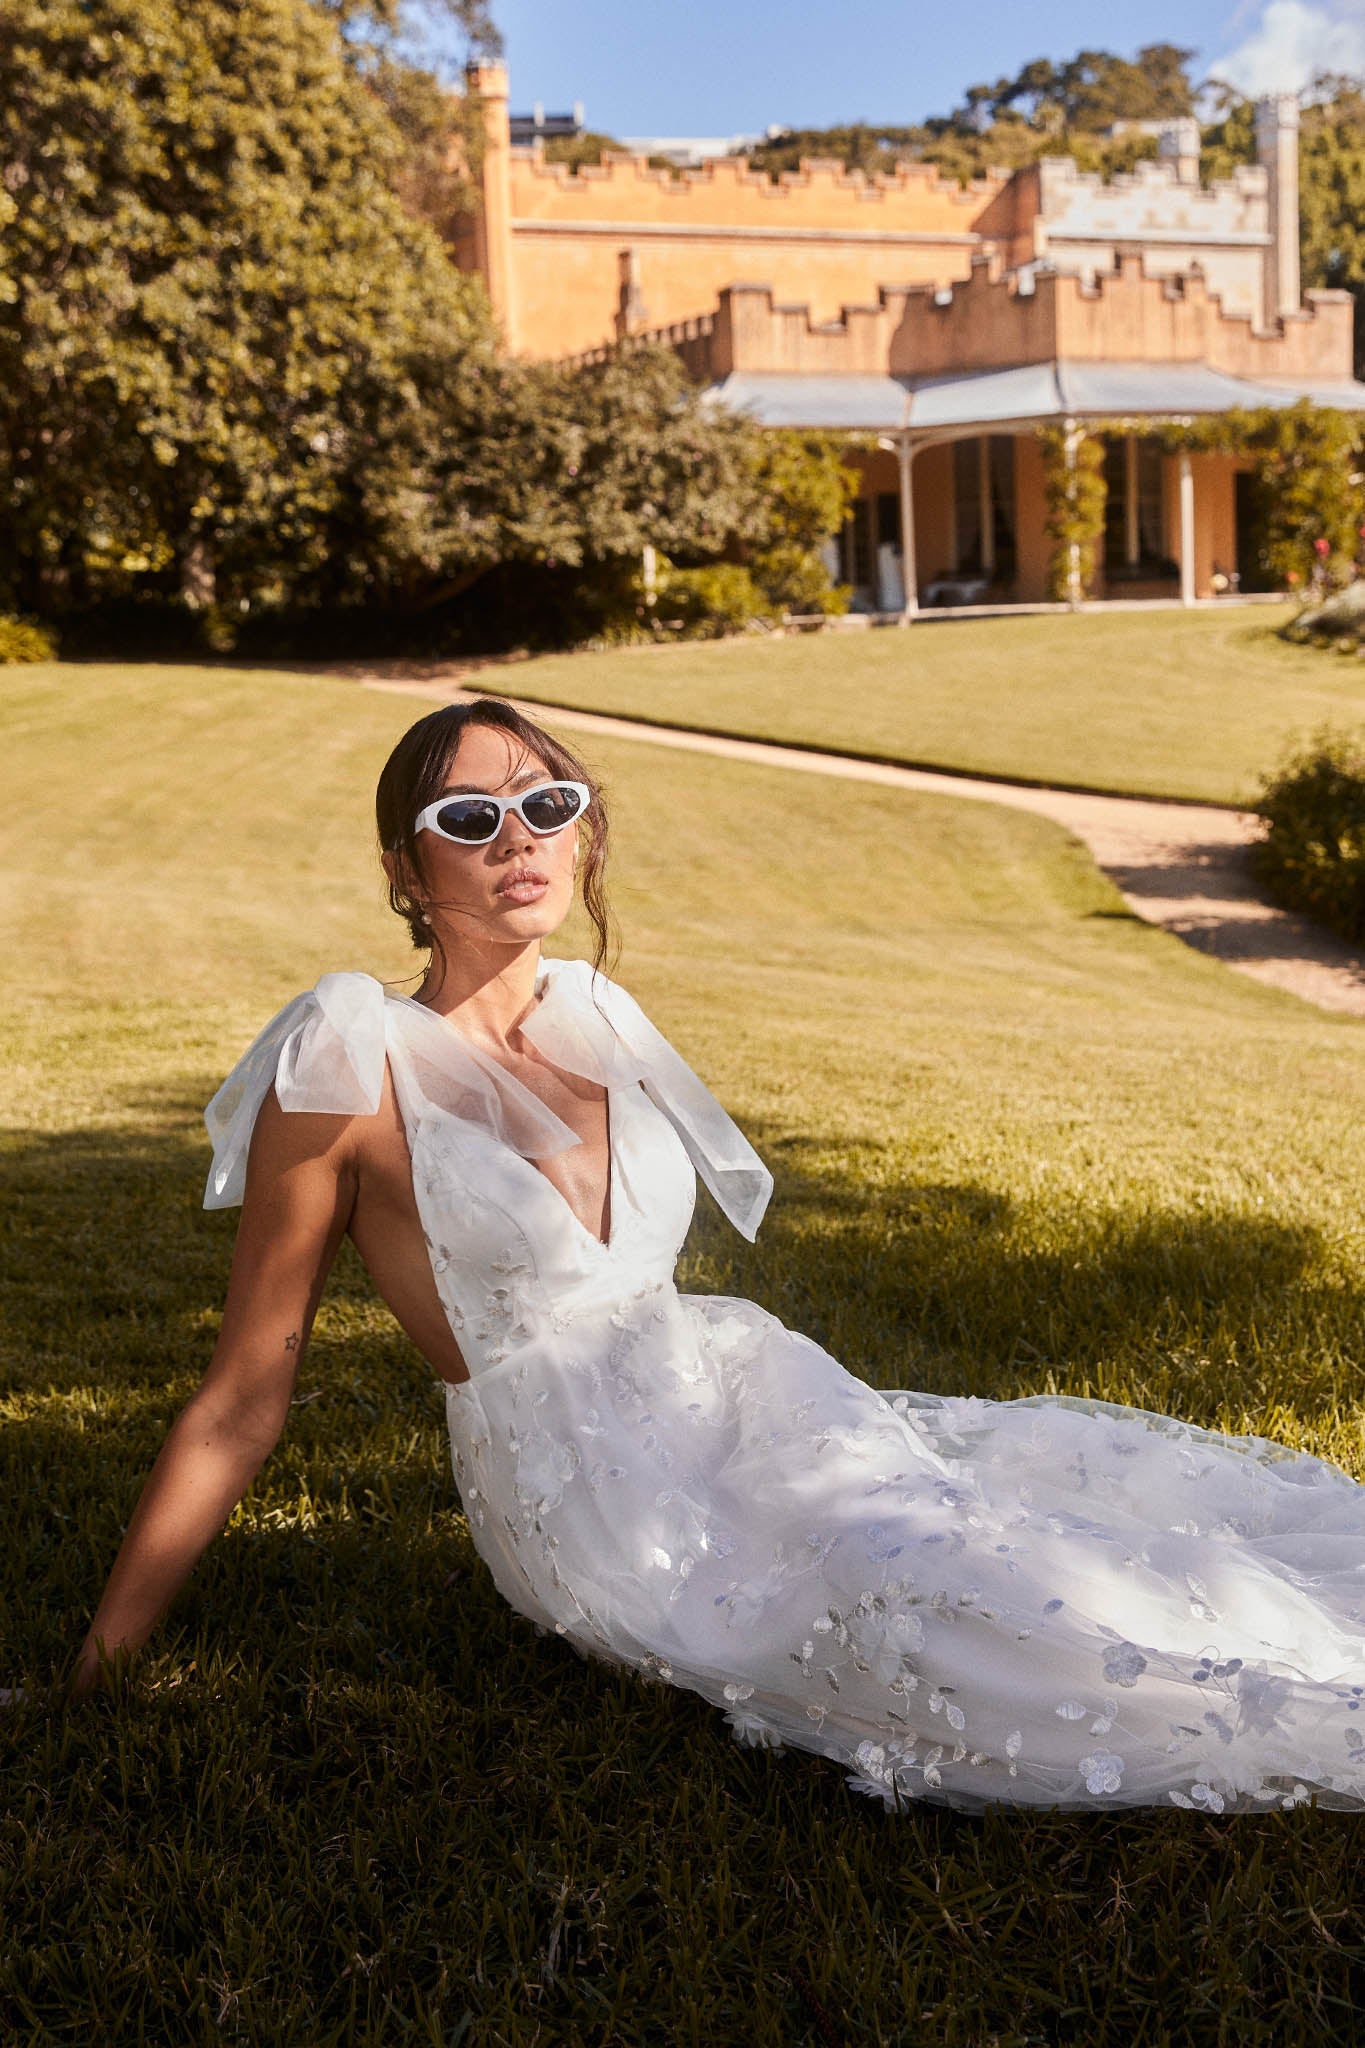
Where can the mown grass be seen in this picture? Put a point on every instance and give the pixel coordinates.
(1021, 1141)
(1162, 703)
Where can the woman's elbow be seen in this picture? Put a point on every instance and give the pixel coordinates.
(243, 1425)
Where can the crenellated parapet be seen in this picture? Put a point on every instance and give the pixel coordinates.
(1084, 223)
(999, 318)
(822, 196)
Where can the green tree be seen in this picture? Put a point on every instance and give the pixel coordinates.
(804, 486)
(642, 456)
(1090, 90)
(389, 24)
(1045, 108)
(440, 137)
(218, 316)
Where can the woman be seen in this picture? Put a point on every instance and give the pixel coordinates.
(1046, 1602)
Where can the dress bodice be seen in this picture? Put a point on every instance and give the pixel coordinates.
(513, 1264)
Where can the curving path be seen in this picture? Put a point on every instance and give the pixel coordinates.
(1185, 867)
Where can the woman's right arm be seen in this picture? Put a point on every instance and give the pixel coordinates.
(300, 1188)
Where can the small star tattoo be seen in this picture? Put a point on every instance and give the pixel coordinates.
(291, 1342)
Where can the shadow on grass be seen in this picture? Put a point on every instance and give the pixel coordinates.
(957, 1289)
(354, 1798)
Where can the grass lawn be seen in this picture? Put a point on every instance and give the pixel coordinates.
(1021, 1141)
(1186, 704)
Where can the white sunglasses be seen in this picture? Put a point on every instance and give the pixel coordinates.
(474, 820)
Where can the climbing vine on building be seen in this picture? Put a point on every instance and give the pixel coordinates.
(1311, 461)
(1074, 493)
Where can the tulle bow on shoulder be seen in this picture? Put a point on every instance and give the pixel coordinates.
(590, 1026)
(324, 1051)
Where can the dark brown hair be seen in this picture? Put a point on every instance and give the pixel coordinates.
(414, 776)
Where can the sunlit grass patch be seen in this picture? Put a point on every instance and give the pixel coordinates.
(1160, 703)
(1021, 1141)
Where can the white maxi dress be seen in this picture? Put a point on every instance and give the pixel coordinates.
(1046, 1602)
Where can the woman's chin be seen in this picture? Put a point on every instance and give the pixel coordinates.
(506, 924)
(525, 922)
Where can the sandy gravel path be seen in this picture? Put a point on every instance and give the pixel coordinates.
(1185, 867)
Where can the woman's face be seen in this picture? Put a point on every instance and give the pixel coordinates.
(515, 888)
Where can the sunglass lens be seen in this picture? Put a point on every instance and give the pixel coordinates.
(548, 810)
(468, 817)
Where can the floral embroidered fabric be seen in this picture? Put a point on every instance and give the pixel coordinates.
(1048, 1602)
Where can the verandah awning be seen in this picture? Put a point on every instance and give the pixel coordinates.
(1028, 395)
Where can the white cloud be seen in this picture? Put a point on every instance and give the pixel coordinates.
(1291, 41)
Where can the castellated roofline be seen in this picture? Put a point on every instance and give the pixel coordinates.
(620, 172)
(1150, 174)
(1000, 318)
(625, 169)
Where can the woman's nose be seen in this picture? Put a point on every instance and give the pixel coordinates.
(515, 833)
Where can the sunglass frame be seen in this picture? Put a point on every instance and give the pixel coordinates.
(427, 819)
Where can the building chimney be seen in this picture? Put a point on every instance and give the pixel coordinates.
(486, 84)
(630, 306)
(1277, 148)
(1178, 144)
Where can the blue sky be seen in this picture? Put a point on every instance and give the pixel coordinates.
(721, 67)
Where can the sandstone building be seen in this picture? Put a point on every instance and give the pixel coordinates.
(942, 326)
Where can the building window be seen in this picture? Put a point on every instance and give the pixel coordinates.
(968, 465)
(856, 547)
(1133, 530)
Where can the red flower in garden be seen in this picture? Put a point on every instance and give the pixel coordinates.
(1322, 548)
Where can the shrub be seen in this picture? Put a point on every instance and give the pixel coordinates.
(711, 602)
(795, 579)
(1312, 857)
(21, 640)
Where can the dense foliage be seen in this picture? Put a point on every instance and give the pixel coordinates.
(240, 376)
(1044, 109)
(219, 321)
(1312, 857)
(22, 640)
(1311, 462)
(1074, 493)
(804, 487)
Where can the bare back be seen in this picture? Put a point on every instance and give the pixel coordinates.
(312, 1179)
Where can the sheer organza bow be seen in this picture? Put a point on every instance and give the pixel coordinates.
(587, 1025)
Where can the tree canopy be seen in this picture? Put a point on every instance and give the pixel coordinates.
(235, 368)
(217, 312)
(1043, 109)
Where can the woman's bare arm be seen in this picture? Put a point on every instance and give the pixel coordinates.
(300, 1188)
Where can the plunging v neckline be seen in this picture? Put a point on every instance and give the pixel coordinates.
(607, 1243)
(603, 1244)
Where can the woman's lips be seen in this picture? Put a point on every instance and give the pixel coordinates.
(527, 885)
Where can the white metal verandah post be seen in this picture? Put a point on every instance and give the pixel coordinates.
(1186, 528)
(905, 455)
